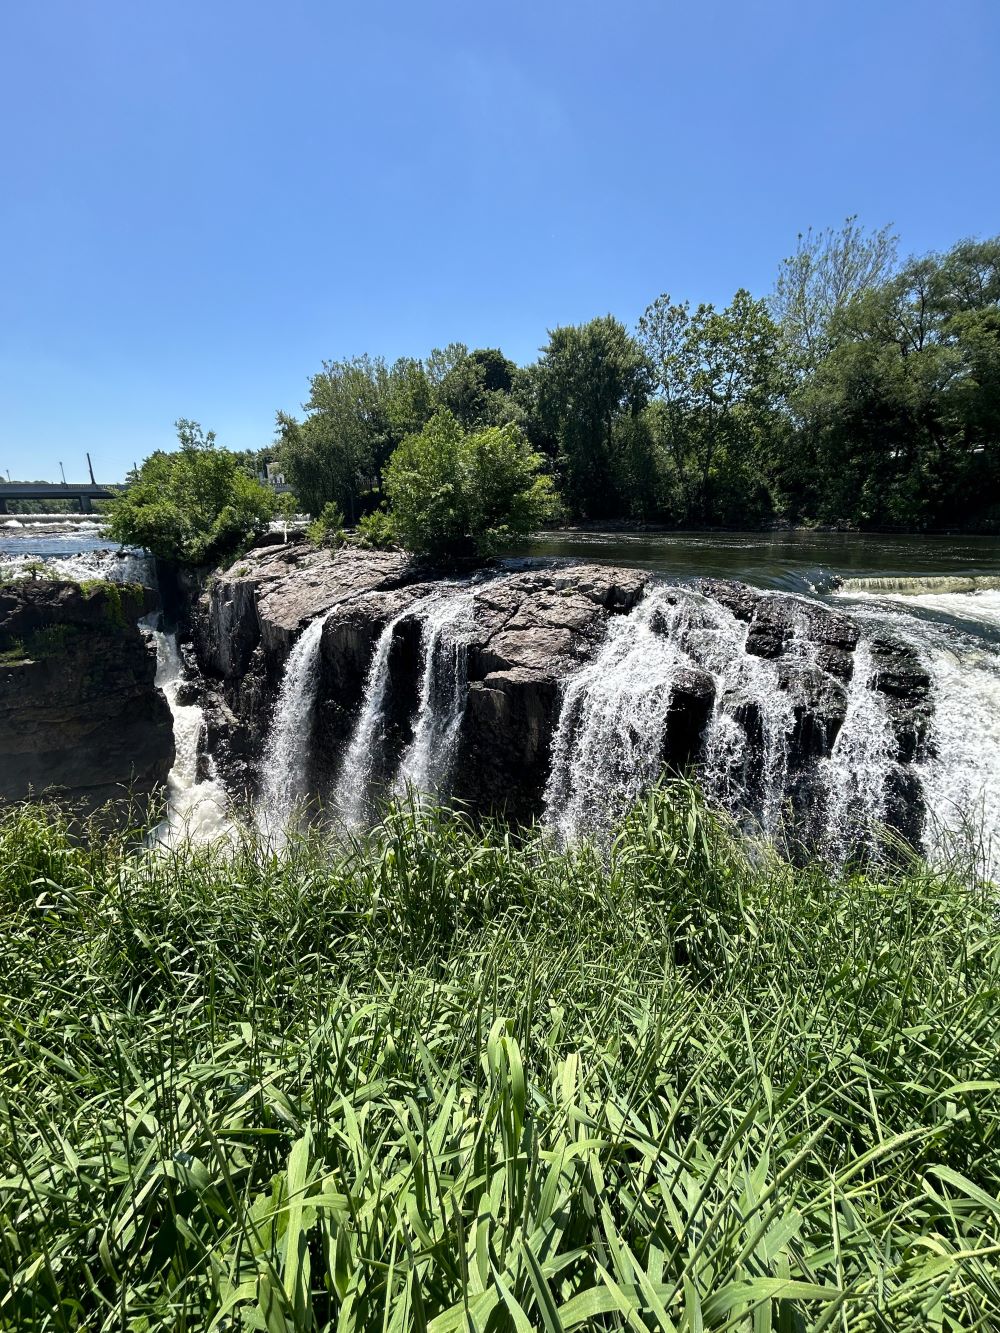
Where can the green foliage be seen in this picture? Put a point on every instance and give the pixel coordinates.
(444, 1078)
(861, 392)
(356, 414)
(900, 422)
(194, 505)
(453, 493)
(328, 528)
(589, 377)
(377, 530)
(720, 382)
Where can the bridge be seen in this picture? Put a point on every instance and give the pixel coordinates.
(84, 492)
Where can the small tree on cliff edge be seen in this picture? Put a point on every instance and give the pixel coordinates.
(194, 505)
(453, 493)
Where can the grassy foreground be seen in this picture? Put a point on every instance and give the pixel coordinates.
(450, 1080)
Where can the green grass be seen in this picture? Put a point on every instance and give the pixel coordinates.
(452, 1079)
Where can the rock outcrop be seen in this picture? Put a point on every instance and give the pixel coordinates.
(80, 714)
(530, 629)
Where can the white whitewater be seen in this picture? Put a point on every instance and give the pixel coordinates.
(426, 764)
(285, 760)
(113, 566)
(854, 776)
(357, 769)
(196, 809)
(608, 743)
(960, 774)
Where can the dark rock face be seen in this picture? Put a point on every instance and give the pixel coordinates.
(80, 714)
(246, 621)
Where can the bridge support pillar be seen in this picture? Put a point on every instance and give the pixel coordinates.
(85, 504)
(3, 504)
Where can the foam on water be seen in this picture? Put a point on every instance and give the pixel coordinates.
(114, 566)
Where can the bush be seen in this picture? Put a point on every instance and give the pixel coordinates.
(193, 506)
(328, 528)
(377, 530)
(457, 494)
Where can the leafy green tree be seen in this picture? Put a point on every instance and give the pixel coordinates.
(194, 505)
(478, 389)
(815, 285)
(720, 379)
(589, 376)
(453, 493)
(356, 414)
(903, 414)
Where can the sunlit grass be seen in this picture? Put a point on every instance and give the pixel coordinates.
(450, 1078)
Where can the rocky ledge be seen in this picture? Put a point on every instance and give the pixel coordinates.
(527, 631)
(80, 715)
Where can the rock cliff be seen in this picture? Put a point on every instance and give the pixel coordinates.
(80, 714)
(530, 630)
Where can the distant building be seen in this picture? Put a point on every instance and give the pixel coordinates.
(272, 475)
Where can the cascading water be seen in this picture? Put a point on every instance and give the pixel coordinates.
(612, 733)
(608, 743)
(960, 772)
(854, 776)
(196, 809)
(352, 789)
(612, 730)
(284, 767)
(426, 764)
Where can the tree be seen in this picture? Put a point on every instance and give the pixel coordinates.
(453, 493)
(478, 389)
(588, 377)
(903, 413)
(192, 506)
(719, 378)
(356, 414)
(816, 284)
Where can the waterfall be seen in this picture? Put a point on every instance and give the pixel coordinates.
(612, 732)
(285, 761)
(443, 691)
(854, 776)
(918, 585)
(196, 809)
(608, 742)
(446, 617)
(357, 769)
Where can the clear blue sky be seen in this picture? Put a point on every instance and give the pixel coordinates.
(200, 200)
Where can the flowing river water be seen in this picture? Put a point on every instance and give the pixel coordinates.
(939, 594)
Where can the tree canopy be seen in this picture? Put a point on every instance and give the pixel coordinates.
(453, 492)
(862, 391)
(193, 505)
